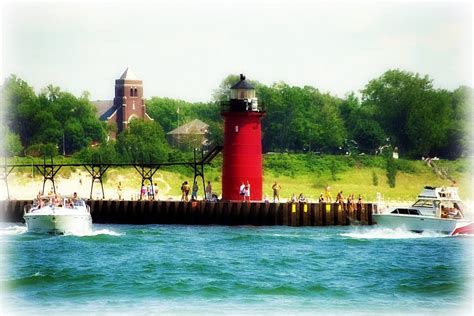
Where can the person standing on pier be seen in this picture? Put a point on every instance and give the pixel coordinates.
(195, 191)
(327, 194)
(208, 191)
(143, 191)
(247, 191)
(242, 191)
(185, 191)
(276, 192)
(119, 190)
(156, 191)
(150, 191)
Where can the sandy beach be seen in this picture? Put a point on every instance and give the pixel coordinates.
(24, 187)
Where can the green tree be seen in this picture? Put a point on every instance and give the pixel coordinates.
(13, 144)
(391, 171)
(104, 153)
(165, 112)
(375, 178)
(361, 125)
(143, 142)
(222, 93)
(460, 137)
(19, 106)
(52, 117)
(412, 113)
(300, 119)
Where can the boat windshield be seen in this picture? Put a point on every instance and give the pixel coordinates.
(406, 211)
(78, 203)
(424, 203)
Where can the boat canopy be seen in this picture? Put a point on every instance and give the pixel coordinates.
(450, 193)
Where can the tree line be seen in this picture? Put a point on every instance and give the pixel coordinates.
(398, 109)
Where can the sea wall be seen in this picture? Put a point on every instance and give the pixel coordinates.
(212, 213)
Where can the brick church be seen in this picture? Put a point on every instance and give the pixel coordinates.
(127, 104)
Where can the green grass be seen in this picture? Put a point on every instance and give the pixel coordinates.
(298, 173)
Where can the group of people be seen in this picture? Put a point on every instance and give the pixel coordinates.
(149, 192)
(55, 200)
(244, 191)
(323, 197)
(453, 211)
(327, 198)
(185, 189)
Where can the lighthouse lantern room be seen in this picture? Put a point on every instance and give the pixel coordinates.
(242, 162)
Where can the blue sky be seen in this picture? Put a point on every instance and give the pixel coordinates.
(183, 49)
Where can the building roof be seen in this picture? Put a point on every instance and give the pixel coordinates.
(242, 84)
(128, 75)
(104, 108)
(194, 127)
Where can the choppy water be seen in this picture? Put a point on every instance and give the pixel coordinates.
(128, 269)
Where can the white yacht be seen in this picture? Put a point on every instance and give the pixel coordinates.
(60, 216)
(436, 209)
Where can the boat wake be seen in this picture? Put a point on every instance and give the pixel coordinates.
(387, 233)
(101, 232)
(97, 233)
(12, 230)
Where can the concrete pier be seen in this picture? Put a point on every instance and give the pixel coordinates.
(212, 213)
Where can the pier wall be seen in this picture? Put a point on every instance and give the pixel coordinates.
(212, 213)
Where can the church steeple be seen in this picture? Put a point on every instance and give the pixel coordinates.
(128, 75)
(129, 100)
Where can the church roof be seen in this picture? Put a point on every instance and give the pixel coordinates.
(194, 127)
(128, 75)
(104, 108)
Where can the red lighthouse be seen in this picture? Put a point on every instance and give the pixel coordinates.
(242, 143)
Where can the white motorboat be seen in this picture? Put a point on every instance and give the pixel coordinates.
(63, 216)
(436, 209)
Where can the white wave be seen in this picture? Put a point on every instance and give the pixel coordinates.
(387, 233)
(99, 232)
(13, 230)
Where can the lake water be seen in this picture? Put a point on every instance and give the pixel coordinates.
(155, 269)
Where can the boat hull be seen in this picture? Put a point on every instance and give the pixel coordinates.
(58, 223)
(416, 223)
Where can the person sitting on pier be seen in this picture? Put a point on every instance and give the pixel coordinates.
(340, 198)
(321, 198)
(292, 199)
(301, 198)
